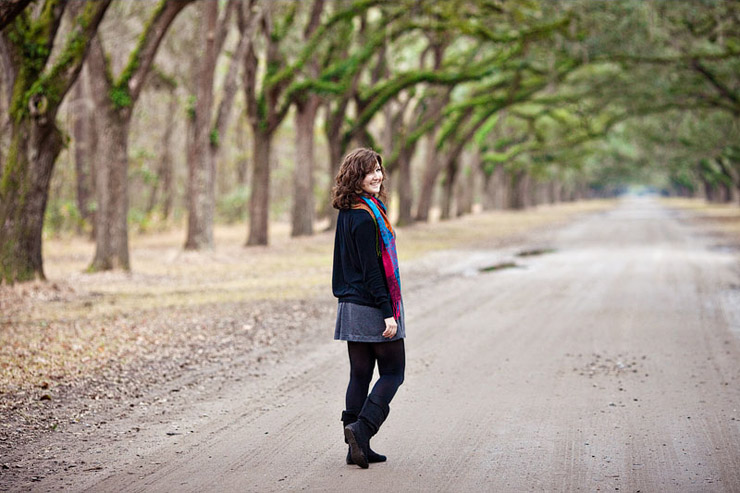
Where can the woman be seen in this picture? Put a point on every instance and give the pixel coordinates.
(370, 313)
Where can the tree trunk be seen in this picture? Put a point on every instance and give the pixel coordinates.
(114, 102)
(405, 189)
(34, 147)
(259, 201)
(111, 189)
(111, 170)
(336, 150)
(539, 193)
(201, 174)
(242, 164)
(448, 188)
(467, 189)
(518, 190)
(555, 191)
(488, 203)
(466, 192)
(429, 180)
(35, 140)
(83, 134)
(500, 187)
(164, 169)
(166, 173)
(303, 199)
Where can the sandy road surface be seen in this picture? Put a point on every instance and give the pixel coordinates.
(610, 364)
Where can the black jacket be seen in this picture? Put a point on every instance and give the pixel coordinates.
(358, 276)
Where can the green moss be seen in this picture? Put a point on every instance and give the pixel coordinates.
(134, 59)
(14, 189)
(34, 42)
(190, 107)
(120, 97)
(262, 111)
(213, 137)
(9, 180)
(272, 68)
(165, 79)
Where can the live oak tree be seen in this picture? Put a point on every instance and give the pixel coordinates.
(203, 138)
(115, 97)
(39, 84)
(306, 108)
(284, 84)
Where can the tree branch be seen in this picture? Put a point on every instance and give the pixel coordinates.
(721, 88)
(143, 55)
(222, 27)
(9, 10)
(69, 63)
(246, 27)
(667, 60)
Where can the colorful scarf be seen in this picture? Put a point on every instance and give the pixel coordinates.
(385, 248)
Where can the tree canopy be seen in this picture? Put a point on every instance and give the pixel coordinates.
(528, 100)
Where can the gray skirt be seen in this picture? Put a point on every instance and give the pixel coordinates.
(360, 323)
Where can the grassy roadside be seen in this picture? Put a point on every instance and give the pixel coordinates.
(74, 324)
(722, 219)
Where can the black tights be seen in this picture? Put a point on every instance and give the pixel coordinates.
(391, 358)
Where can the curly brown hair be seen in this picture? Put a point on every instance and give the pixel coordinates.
(348, 183)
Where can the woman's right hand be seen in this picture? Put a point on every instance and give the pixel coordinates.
(390, 328)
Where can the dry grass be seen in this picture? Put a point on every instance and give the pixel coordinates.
(75, 323)
(720, 218)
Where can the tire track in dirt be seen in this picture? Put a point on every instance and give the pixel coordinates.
(599, 366)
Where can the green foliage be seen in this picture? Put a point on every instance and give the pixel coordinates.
(213, 137)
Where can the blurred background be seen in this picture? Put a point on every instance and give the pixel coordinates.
(125, 117)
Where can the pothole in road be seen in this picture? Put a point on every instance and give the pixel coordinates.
(500, 266)
(535, 251)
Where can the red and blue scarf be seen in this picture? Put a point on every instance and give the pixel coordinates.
(385, 248)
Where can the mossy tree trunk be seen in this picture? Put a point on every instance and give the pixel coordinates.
(115, 98)
(35, 143)
(10, 9)
(268, 101)
(111, 190)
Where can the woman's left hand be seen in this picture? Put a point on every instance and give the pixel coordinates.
(390, 328)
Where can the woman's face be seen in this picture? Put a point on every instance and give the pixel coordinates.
(372, 181)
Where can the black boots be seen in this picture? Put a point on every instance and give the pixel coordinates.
(347, 419)
(358, 434)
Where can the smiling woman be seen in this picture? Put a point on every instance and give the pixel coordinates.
(370, 314)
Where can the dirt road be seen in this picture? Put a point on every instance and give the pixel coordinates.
(610, 363)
